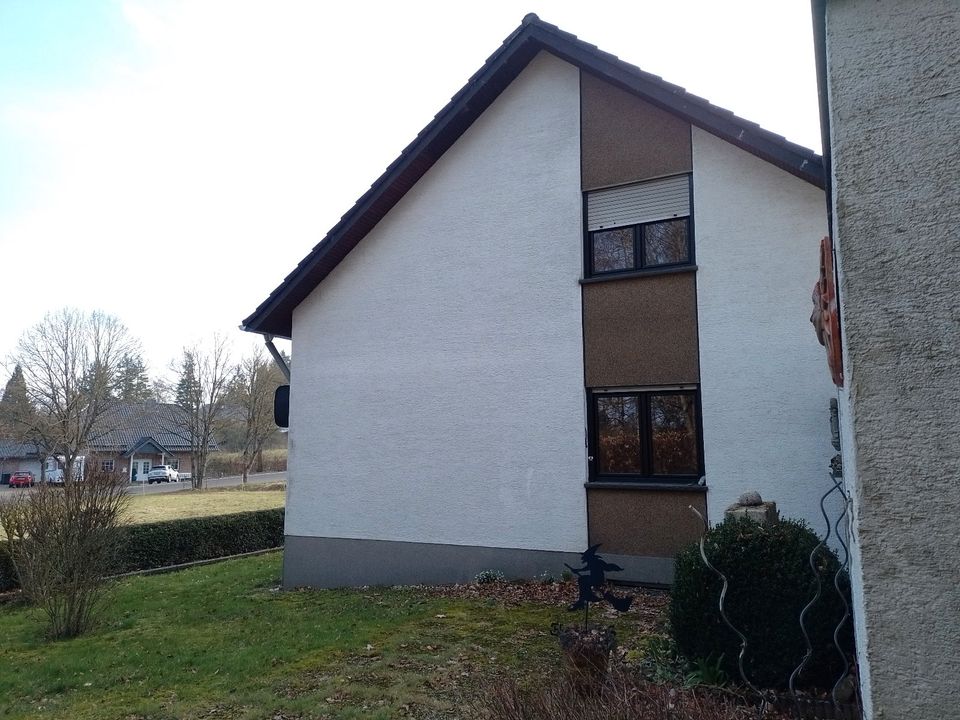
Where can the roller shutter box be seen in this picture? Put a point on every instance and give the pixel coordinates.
(639, 203)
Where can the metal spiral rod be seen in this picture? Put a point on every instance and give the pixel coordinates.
(836, 585)
(723, 612)
(816, 573)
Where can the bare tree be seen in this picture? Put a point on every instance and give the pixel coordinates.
(63, 543)
(252, 394)
(205, 375)
(70, 361)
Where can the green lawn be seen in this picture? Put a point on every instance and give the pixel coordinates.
(196, 503)
(148, 508)
(220, 641)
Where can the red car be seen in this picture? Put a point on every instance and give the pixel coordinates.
(24, 478)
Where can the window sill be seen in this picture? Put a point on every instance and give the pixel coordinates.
(648, 485)
(648, 272)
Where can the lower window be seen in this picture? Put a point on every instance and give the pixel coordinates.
(646, 435)
(106, 465)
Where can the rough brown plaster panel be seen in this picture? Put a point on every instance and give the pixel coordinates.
(641, 331)
(625, 139)
(652, 523)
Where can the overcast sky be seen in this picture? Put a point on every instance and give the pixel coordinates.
(170, 162)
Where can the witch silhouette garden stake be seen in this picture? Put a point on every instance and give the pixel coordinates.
(591, 577)
(586, 651)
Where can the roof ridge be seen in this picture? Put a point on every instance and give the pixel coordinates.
(705, 103)
(274, 315)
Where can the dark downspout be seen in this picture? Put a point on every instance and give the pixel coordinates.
(277, 357)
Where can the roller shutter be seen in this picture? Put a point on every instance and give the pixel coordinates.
(639, 203)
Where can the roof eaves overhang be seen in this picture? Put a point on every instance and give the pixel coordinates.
(274, 316)
(773, 148)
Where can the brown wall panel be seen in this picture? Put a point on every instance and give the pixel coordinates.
(652, 523)
(625, 139)
(641, 331)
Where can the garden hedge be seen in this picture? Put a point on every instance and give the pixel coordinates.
(8, 576)
(173, 542)
(770, 579)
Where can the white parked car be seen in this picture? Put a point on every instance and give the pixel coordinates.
(162, 473)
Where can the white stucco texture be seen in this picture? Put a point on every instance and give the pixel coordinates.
(765, 386)
(437, 390)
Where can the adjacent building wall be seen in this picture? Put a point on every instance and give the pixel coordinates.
(893, 73)
(439, 397)
(765, 387)
(8, 466)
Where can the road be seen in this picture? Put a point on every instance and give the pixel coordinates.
(231, 481)
(144, 489)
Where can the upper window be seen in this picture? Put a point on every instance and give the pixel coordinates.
(106, 465)
(639, 226)
(646, 435)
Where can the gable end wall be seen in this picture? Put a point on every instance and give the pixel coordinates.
(439, 395)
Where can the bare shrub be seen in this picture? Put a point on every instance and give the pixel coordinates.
(223, 463)
(205, 375)
(63, 544)
(252, 390)
(622, 697)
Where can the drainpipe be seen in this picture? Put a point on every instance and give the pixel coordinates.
(277, 357)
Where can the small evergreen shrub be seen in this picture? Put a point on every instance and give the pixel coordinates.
(770, 579)
(488, 576)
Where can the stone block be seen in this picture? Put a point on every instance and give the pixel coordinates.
(765, 513)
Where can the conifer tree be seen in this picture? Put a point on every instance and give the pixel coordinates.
(133, 383)
(15, 409)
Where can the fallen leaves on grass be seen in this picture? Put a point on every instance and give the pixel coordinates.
(647, 608)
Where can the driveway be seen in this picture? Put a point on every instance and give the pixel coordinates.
(230, 481)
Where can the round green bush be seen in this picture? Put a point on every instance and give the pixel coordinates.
(768, 568)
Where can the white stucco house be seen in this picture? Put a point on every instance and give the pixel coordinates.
(575, 306)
